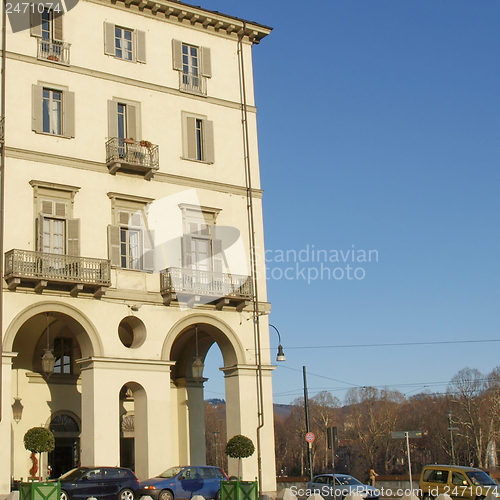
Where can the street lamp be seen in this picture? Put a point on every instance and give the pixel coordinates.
(281, 354)
(451, 429)
(48, 360)
(197, 366)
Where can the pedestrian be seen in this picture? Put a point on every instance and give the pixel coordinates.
(372, 475)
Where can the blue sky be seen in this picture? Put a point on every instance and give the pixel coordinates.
(379, 128)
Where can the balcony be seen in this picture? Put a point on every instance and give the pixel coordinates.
(132, 156)
(57, 52)
(195, 286)
(193, 84)
(41, 270)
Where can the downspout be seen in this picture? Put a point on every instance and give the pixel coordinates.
(253, 258)
(2, 185)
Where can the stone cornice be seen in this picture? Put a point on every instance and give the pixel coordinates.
(183, 13)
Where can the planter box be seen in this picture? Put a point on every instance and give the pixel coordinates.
(239, 490)
(40, 490)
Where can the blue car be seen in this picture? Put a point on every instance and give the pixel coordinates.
(184, 482)
(106, 483)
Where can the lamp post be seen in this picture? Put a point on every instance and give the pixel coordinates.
(451, 429)
(216, 437)
(197, 366)
(280, 356)
(48, 360)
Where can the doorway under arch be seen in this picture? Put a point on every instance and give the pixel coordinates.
(66, 454)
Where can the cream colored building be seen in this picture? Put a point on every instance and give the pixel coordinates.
(127, 242)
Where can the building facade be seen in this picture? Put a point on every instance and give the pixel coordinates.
(130, 163)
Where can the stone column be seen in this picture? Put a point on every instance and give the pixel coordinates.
(6, 457)
(195, 406)
(100, 436)
(242, 418)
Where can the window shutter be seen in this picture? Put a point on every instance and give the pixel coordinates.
(123, 218)
(58, 26)
(191, 137)
(60, 210)
(109, 39)
(141, 46)
(35, 20)
(217, 256)
(47, 207)
(187, 259)
(112, 119)
(206, 62)
(39, 233)
(36, 113)
(132, 128)
(114, 245)
(68, 114)
(208, 141)
(73, 237)
(177, 54)
(148, 261)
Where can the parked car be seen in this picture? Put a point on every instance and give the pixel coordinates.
(463, 483)
(110, 483)
(344, 484)
(184, 482)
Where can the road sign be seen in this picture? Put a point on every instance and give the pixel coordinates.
(310, 437)
(411, 434)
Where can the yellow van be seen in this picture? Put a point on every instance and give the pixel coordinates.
(461, 483)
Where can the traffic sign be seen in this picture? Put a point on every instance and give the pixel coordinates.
(411, 434)
(310, 437)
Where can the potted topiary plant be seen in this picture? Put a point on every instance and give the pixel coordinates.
(239, 447)
(39, 440)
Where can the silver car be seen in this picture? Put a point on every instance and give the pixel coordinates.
(344, 484)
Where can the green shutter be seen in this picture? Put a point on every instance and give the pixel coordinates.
(114, 245)
(73, 237)
(191, 137)
(58, 26)
(177, 54)
(36, 103)
(208, 141)
(206, 62)
(109, 39)
(35, 20)
(141, 46)
(68, 114)
(112, 119)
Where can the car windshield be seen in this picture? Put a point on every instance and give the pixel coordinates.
(480, 478)
(347, 481)
(172, 472)
(73, 475)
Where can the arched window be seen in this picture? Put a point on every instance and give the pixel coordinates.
(64, 424)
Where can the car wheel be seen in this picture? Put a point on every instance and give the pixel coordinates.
(126, 494)
(166, 495)
(217, 496)
(64, 495)
(427, 497)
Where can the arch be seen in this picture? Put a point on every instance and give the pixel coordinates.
(93, 342)
(232, 352)
(64, 413)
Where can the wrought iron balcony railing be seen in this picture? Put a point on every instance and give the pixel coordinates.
(220, 289)
(41, 270)
(194, 84)
(54, 51)
(127, 154)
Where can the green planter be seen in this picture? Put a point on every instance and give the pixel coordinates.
(239, 490)
(40, 491)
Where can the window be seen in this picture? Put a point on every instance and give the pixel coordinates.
(47, 25)
(57, 232)
(198, 138)
(124, 43)
(124, 120)
(194, 66)
(458, 479)
(63, 352)
(53, 111)
(130, 243)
